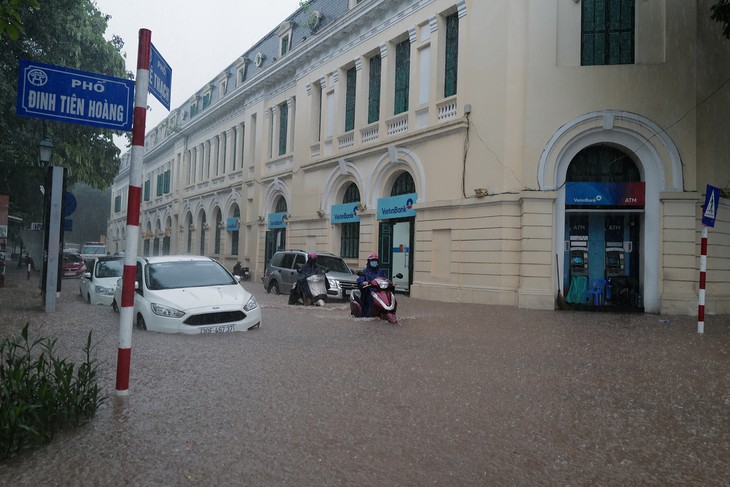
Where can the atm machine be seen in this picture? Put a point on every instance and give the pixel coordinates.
(578, 267)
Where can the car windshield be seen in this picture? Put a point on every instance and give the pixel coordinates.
(176, 275)
(93, 249)
(71, 258)
(109, 268)
(333, 264)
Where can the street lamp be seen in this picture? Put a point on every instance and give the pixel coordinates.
(45, 149)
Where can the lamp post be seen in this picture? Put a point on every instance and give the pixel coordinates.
(45, 150)
(52, 224)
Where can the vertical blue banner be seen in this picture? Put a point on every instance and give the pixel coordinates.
(160, 77)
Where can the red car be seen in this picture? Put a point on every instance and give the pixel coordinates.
(73, 265)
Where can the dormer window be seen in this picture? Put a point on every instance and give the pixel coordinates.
(241, 64)
(223, 84)
(284, 32)
(207, 96)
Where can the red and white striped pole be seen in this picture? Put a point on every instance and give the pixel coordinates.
(126, 311)
(703, 280)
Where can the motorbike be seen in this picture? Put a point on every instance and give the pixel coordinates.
(312, 290)
(384, 302)
(243, 272)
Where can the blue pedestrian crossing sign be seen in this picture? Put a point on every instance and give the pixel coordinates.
(709, 210)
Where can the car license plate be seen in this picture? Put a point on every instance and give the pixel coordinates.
(69, 274)
(217, 329)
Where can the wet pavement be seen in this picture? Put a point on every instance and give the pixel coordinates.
(455, 395)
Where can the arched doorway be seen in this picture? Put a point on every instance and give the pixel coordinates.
(395, 244)
(604, 209)
(276, 234)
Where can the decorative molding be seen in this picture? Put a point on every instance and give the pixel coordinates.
(412, 35)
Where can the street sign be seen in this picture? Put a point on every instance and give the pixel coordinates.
(36, 226)
(69, 203)
(160, 77)
(70, 95)
(709, 210)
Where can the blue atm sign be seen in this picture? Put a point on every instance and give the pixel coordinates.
(69, 95)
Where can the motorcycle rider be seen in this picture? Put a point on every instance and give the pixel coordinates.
(371, 271)
(301, 289)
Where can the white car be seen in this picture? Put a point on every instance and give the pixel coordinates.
(98, 282)
(189, 294)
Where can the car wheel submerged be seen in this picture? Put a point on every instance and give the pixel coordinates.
(88, 298)
(274, 287)
(114, 306)
(141, 323)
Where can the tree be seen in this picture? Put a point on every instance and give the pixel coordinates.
(10, 18)
(721, 13)
(67, 33)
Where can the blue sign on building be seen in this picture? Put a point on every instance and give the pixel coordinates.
(400, 206)
(276, 220)
(160, 77)
(345, 213)
(70, 95)
(233, 224)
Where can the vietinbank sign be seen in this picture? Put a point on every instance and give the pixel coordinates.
(605, 194)
(70, 95)
(400, 206)
(276, 220)
(345, 213)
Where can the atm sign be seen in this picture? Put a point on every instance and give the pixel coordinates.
(605, 194)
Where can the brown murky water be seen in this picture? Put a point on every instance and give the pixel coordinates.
(455, 395)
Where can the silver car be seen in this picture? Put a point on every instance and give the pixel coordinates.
(282, 272)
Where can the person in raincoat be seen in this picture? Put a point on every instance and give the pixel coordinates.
(371, 271)
(301, 290)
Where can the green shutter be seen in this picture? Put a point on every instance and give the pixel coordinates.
(374, 90)
(147, 190)
(402, 76)
(160, 184)
(452, 54)
(283, 121)
(350, 99)
(166, 185)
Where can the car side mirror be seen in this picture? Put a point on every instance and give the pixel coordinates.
(360, 273)
(298, 266)
(237, 277)
(399, 275)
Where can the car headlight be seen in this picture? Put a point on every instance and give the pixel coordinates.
(252, 304)
(334, 283)
(166, 311)
(104, 290)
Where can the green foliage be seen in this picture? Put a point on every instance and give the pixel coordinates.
(66, 33)
(10, 18)
(41, 394)
(721, 13)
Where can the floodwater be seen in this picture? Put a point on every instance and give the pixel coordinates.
(455, 395)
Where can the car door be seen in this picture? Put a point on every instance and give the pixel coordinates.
(85, 283)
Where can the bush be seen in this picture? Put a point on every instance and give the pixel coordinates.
(41, 394)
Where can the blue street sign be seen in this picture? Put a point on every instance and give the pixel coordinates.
(69, 95)
(160, 77)
(68, 225)
(69, 203)
(709, 210)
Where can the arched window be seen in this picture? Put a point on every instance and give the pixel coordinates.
(202, 234)
(350, 232)
(234, 233)
(280, 205)
(604, 164)
(218, 231)
(403, 185)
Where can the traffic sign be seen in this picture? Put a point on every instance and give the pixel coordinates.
(69, 203)
(160, 77)
(709, 210)
(70, 95)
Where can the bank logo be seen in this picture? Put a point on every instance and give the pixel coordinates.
(409, 203)
(37, 77)
(354, 210)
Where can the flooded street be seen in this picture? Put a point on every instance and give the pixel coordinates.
(455, 395)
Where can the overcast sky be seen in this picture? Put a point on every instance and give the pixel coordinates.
(197, 39)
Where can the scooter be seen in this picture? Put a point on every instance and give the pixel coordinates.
(383, 294)
(242, 272)
(315, 292)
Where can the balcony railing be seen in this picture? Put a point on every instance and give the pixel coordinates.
(369, 133)
(346, 141)
(446, 109)
(398, 124)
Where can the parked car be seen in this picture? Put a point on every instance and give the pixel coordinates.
(72, 265)
(98, 282)
(91, 250)
(282, 272)
(189, 294)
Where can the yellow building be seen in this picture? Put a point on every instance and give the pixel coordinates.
(490, 151)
